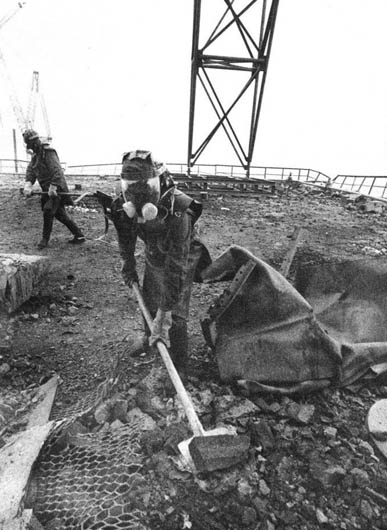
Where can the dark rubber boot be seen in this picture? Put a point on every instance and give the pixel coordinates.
(48, 221)
(76, 240)
(65, 219)
(43, 243)
(178, 336)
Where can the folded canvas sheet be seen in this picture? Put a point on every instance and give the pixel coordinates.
(266, 332)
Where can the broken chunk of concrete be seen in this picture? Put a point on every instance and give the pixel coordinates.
(20, 275)
(377, 425)
(301, 413)
(327, 476)
(16, 460)
(137, 415)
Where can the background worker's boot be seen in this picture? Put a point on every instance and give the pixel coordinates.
(43, 243)
(48, 220)
(76, 240)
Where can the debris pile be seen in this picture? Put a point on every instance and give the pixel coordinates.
(311, 463)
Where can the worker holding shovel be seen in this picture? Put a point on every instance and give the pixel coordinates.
(46, 169)
(150, 207)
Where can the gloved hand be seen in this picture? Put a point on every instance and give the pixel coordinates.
(160, 327)
(52, 191)
(27, 191)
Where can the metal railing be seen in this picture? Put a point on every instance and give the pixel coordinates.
(220, 170)
(12, 166)
(373, 185)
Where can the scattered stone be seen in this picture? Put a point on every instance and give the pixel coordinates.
(68, 321)
(305, 414)
(360, 477)
(262, 434)
(264, 488)
(116, 424)
(244, 408)
(4, 368)
(327, 476)
(245, 491)
(249, 516)
(330, 431)
(152, 441)
(367, 447)
(120, 409)
(366, 509)
(137, 415)
(228, 482)
(260, 505)
(102, 413)
(321, 517)
(274, 407)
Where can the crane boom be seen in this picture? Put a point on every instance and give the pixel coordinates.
(45, 117)
(31, 110)
(11, 13)
(17, 108)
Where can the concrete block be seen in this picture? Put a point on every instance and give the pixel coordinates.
(20, 275)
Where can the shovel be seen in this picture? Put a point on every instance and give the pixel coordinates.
(206, 451)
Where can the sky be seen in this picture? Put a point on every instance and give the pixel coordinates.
(116, 76)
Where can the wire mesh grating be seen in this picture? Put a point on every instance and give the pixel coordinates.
(89, 480)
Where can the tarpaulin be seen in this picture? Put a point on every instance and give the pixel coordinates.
(328, 329)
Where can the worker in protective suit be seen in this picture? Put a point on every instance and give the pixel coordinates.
(46, 169)
(150, 207)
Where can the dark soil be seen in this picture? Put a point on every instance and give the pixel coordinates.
(323, 473)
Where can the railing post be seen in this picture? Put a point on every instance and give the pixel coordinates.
(15, 150)
(372, 185)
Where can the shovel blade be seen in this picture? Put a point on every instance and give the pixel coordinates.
(210, 453)
(218, 449)
(186, 459)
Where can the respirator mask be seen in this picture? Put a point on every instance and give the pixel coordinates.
(141, 198)
(141, 185)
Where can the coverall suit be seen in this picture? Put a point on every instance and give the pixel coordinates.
(174, 256)
(46, 169)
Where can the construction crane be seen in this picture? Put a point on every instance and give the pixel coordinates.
(32, 102)
(17, 108)
(35, 95)
(24, 120)
(11, 13)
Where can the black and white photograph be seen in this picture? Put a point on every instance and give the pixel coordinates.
(193, 265)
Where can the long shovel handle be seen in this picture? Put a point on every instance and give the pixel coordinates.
(59, 193)
(192, 417)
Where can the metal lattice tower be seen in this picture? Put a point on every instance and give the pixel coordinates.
(249, 68)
